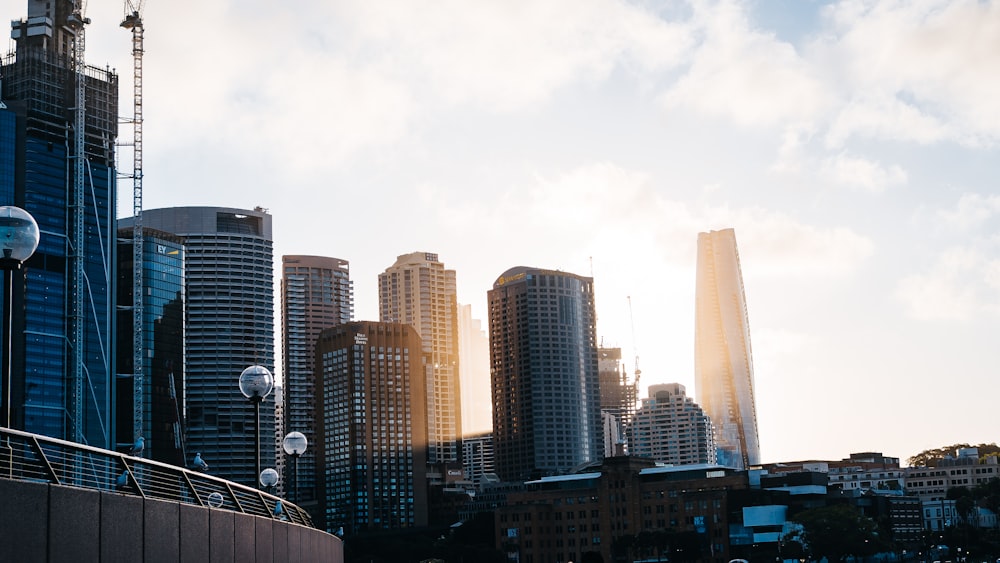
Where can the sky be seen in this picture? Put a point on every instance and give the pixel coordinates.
(852, 145)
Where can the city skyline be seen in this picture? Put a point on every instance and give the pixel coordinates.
(853, 146)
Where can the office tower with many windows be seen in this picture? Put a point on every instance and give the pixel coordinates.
(723, 361)
(316, 293)
(417, 290)
(229, 287)
(543, 354)
(672, 429)
(58, 127)
(371, 443)
(162, 419)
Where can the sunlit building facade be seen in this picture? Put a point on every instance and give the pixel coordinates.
(371, 445)
(419, 291)
(229, 290)
(62, 330)
(316, 293)
(723, 362)
(672, 429)
(543, 354)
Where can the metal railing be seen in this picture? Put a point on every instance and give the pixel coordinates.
(30, 457)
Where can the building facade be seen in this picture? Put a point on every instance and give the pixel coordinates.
(618, 396)
(723, 361)
(543, 356)
(316, 293)
(625, 509)
(418, 291)
(672, 429)
(371, 446)
(229, 286)
(58, 163)
(162, 390)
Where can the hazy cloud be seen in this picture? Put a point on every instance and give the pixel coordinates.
(862, 173)
(962, 283)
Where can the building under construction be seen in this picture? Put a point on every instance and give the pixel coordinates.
(58, 127)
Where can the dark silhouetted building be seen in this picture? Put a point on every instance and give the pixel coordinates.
(371, 439)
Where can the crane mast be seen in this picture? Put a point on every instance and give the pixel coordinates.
(77, 21)
(133, 21)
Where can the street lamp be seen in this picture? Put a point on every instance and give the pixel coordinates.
(256, 384)
(268, 479)
(18, 241)
(295, 444)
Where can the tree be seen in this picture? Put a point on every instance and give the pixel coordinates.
(835, 532)
(929, 458)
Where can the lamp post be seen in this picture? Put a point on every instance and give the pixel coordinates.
(268, 479)
(256, 384)
(295, 444)
(18, 241)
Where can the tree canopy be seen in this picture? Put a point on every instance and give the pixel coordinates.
(930, 458)
(835, 532)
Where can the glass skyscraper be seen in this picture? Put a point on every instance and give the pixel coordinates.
(723, 361)
(62, 331)
(316, 293)
(543, 354)
(229, 316)
(162, 421)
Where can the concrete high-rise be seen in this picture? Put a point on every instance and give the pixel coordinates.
(371, 446)
(672, 429)
(316, 293)
(58, 127)
(229, 286)
(723, 361)
(418, 291)
(162, 421)
(543, 355)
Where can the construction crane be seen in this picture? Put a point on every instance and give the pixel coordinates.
(133, 21)
(77, 21)
(635, 352)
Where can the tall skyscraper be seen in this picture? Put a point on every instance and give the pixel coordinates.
(543, 355)
(417, 290)
(723, 361)
(672, 429)
(58, 127)
(162, 342)
(316, 293)
(229, 285)
(371, 448)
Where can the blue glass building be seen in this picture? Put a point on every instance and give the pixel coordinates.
(63, 322)
(162, 421)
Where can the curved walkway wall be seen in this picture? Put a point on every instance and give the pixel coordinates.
(52, 523)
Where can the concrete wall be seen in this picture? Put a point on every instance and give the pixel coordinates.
(52, 524)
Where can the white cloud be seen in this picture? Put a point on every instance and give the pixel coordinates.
(509, 55)
(930, 64)
(972, 211)
(746, 75)
(862, 173)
